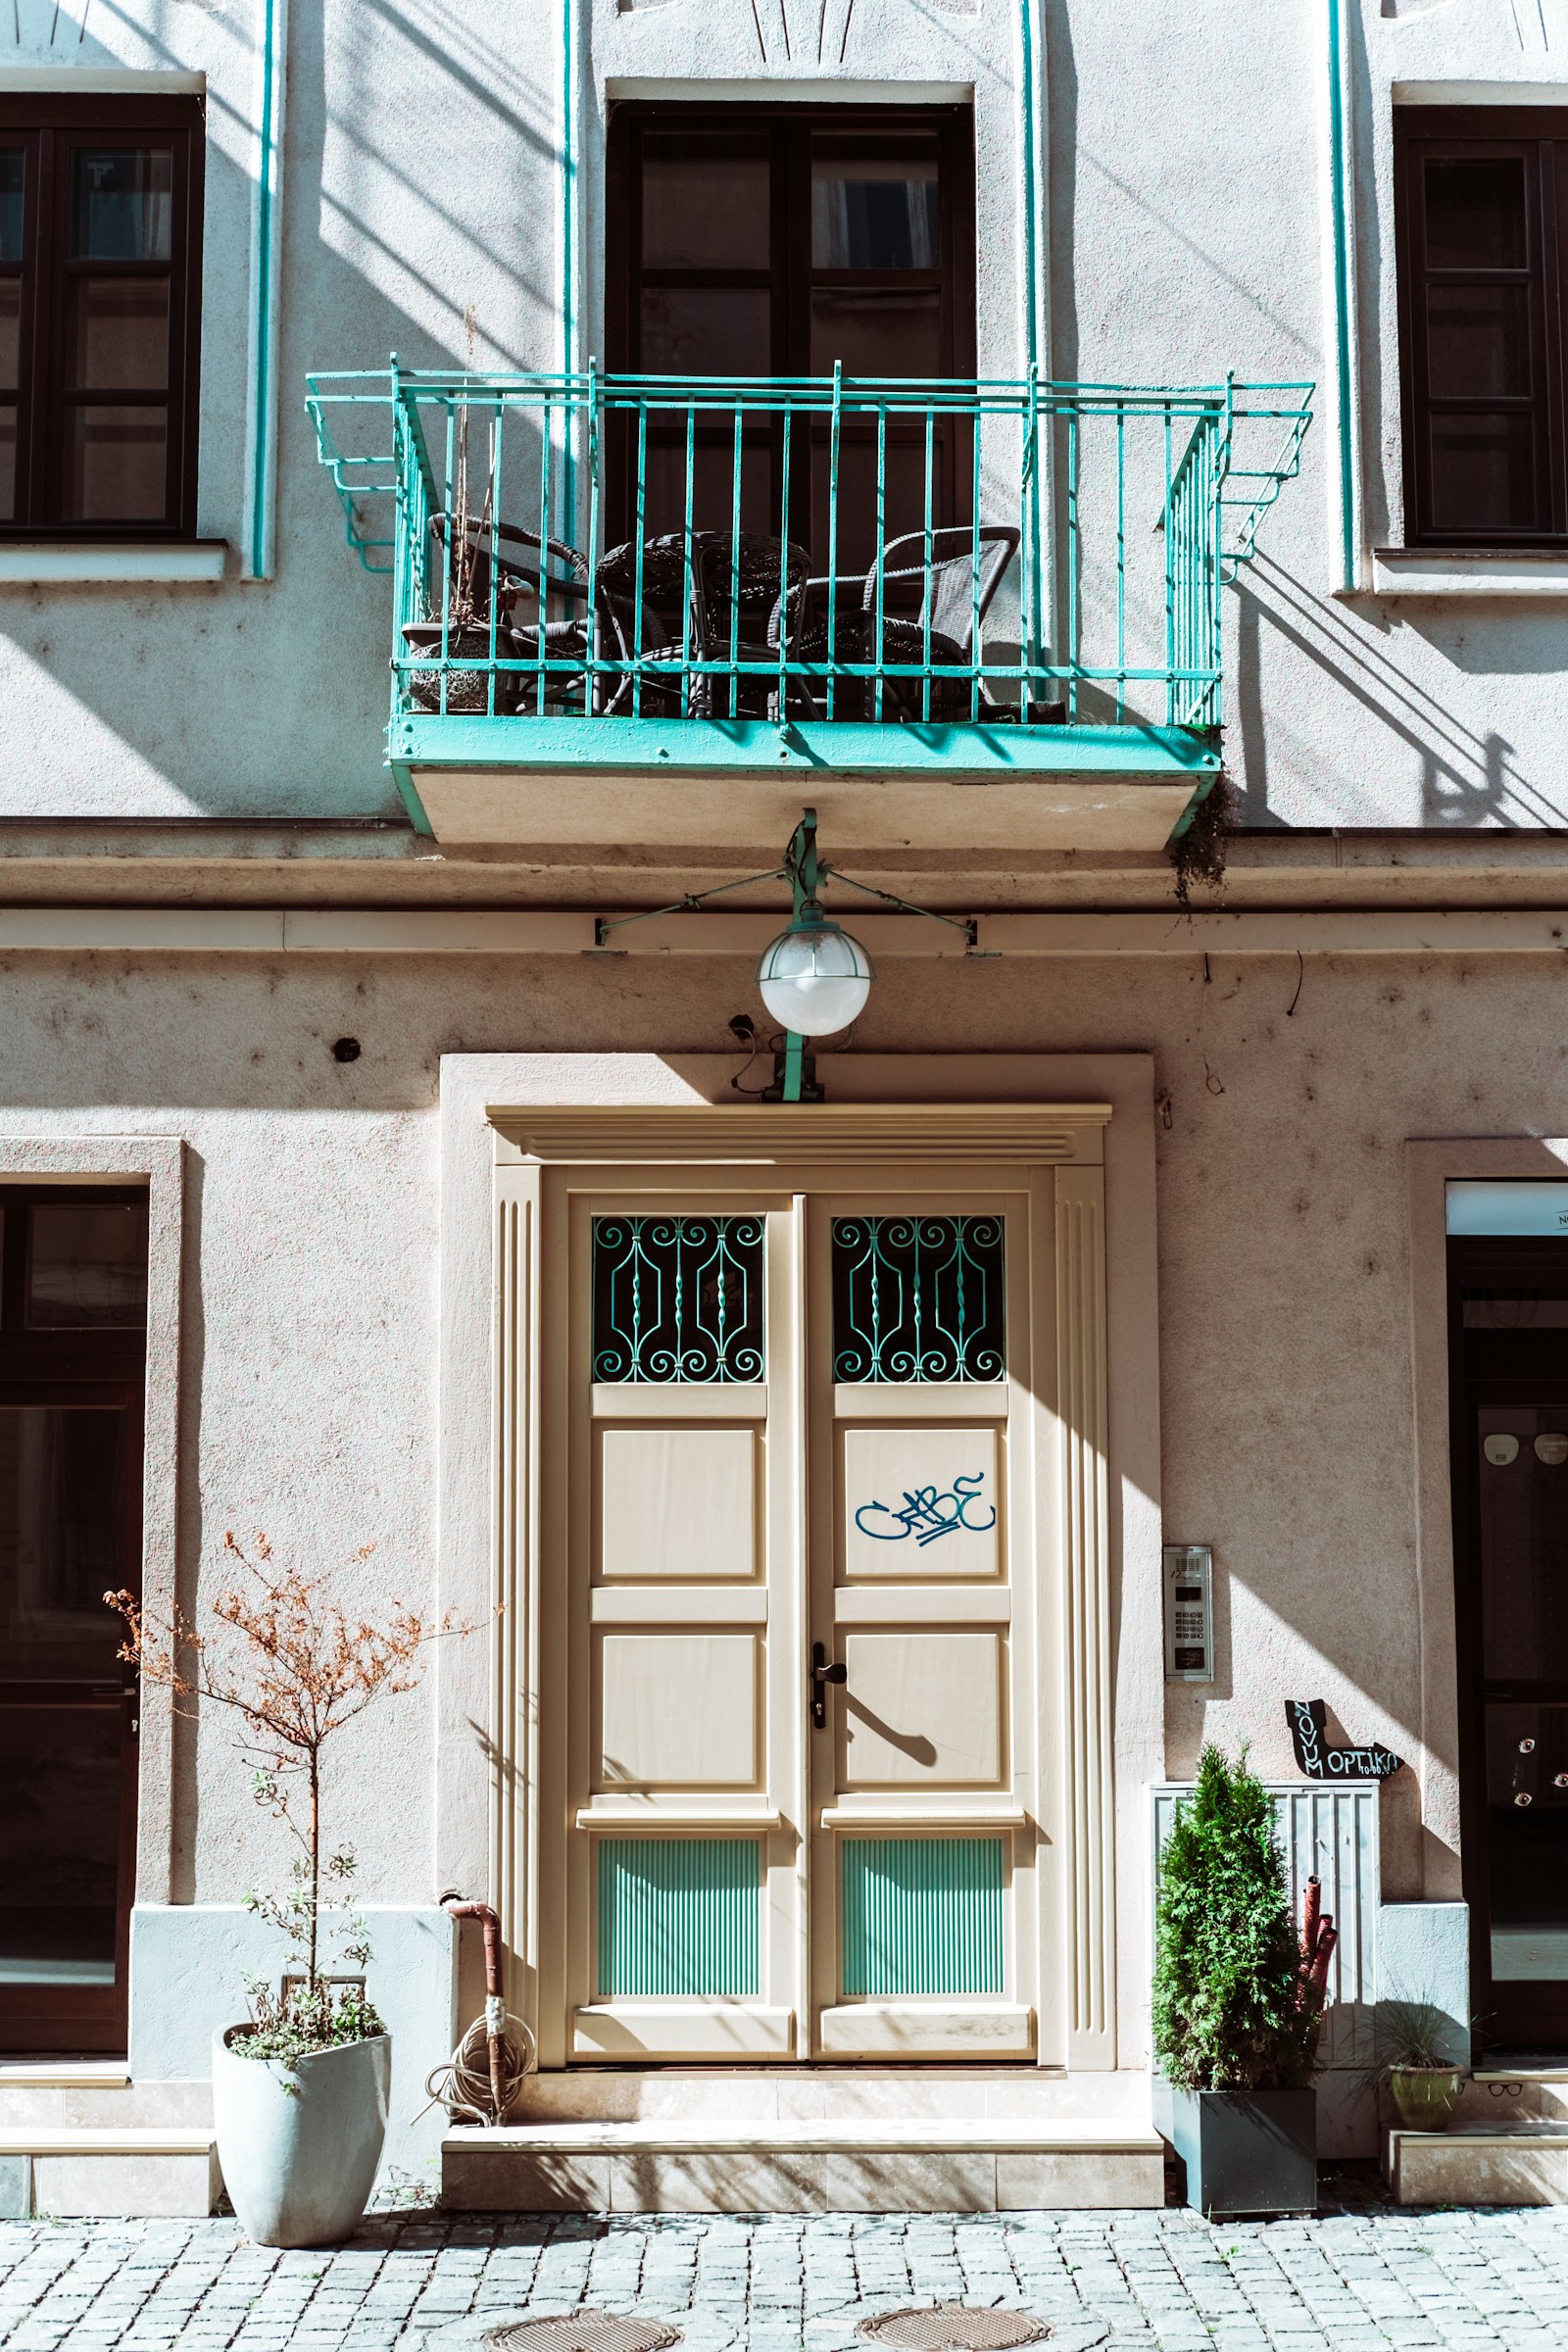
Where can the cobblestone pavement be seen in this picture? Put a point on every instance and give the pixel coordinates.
(1361, 2278)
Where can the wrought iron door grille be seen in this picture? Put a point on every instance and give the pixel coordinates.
(919, 1300)
(678, 1299)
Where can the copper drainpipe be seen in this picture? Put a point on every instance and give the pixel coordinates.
(495, 2008)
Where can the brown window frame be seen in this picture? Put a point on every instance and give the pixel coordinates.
(789, 129)
(47, 127)
(1538, 138)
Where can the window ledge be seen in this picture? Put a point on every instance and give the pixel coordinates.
(39, 561)
(1472, 572)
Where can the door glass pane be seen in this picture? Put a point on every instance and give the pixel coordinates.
(680, 1915)
(62, 1499)
(1522, 1478)
(918, 1298)
(1484, 472)
(1478, 342)
(61, 1771)
(705, 330)
(706, 212)
(677, 1299)
(921, 1915)
(121, 204)
(877, 210)
(117, 464)
(1476, 213)
(1526, 1837)
(877, 331)
(87, 1267)
(119, 334)
(10, 332)
(13, 172)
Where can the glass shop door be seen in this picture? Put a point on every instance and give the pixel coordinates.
(1510, 1313)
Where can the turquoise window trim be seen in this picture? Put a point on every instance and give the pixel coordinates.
(1340, 201)
(922, 1916)
(678, 1918)
(261, 505)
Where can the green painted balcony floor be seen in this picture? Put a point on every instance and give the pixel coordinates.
(735, 782)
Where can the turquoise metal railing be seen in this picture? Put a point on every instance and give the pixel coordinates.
(1026, 552)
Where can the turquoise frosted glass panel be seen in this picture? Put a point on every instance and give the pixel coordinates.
(678, 1915)
(921, 1915)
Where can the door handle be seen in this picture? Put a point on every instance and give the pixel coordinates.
(823, 1672)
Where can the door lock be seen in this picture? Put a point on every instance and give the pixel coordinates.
(823, 1672)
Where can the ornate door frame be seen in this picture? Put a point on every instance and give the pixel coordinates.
(1065, 1140)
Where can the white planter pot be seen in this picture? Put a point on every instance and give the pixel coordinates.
(299, 2163)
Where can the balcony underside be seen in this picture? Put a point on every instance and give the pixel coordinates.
(741, 783)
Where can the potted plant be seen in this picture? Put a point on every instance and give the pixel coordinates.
(1238, 2000)
(299, 2087)
(1413, 2051)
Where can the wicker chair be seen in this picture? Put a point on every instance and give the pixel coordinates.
(955, 594)
(486, 579)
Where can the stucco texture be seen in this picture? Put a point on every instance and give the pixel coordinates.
(309, 1343)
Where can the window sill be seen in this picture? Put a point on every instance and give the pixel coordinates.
(41, 561)
(1435, 572)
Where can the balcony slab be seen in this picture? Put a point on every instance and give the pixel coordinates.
(650, 782)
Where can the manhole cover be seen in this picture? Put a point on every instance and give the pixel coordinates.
(597, 2331)
(954, 2327)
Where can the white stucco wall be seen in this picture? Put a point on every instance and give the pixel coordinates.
(309, 1343)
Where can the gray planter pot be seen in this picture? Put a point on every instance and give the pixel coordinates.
(1247, 2151)
(300, 2144)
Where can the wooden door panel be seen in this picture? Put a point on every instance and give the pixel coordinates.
(921, 1502)
(680, 1710)
(677, 1502)
(923, 1710)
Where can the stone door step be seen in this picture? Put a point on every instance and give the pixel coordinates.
(114, 2170)
(1516, 2163)
(840, 2165)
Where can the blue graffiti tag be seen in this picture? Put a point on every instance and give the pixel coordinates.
(926, 1514)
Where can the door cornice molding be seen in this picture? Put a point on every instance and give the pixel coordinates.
(1033, 1134)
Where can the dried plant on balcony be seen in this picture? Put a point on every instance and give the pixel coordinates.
(1199, 855)
(298, 1669)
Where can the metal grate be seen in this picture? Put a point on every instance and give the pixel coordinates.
(954, 2327)
(918, 1298)
(678, 1299)
(594, 2331)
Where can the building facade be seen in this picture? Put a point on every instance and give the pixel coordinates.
(1020, 454)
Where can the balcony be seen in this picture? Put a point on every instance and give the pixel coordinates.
(649, 610)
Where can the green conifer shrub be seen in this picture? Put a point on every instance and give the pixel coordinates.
(1234, 2007)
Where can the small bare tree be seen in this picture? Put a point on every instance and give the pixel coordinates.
(307, 1669)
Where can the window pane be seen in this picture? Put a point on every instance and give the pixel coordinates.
(62, 1502)
(918, 1298)
(123, 203)
(13, 162)
(705, 330)
(10, 332)
(59, 1845)
(677, 1298)
(1478, 340)
(119, 333)
(876, 331)
(1476, 213)
(117, 468)
(1483, 473)
(87, 1268)
(876, 212)
(706, 211)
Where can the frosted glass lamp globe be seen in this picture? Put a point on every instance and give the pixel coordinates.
(815, 978)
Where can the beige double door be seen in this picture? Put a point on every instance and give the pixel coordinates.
(798, 1453)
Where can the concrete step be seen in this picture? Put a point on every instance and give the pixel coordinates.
(79, 2139)
(1522, 2162)
(843, 2163)
(822, 2093)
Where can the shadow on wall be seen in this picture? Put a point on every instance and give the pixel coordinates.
(274, 702)
(1468, 778)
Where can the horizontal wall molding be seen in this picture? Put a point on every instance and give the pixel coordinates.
(51, 563)
(1031, 1133)
(326, 931)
